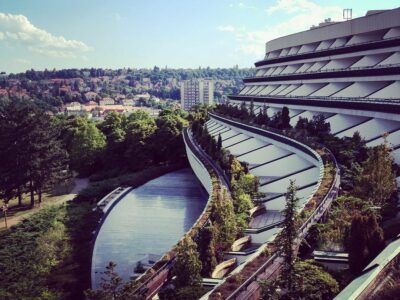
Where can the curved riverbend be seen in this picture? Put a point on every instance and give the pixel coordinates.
(148, 220)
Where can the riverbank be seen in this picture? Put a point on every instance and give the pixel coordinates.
(16, 214)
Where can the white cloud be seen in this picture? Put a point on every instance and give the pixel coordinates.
(227, 28)
(17, 28)
(292, 6)
(298, 15)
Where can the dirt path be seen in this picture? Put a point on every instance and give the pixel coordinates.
(79, 184)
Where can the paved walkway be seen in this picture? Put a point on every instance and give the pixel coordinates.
(79, 184)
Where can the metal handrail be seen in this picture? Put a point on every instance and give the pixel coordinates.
(275, 134)
(322, 50)
(326, 71)
(394, 101)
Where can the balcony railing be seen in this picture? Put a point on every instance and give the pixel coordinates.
(387, 68)
(387, 105)
(377, 66)
(353, 99)
(390, 42)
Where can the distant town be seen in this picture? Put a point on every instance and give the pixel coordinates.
(97, 92)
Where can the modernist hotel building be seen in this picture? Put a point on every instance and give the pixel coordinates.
(347, 71)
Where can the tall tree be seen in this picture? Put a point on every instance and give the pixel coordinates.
(85, 145)
(289, 234)
(168, 141)
(224, 221)
(376, 182)
(365, 241)
(219, 143)
(207, 250)
(15, 123)
(187, 266)
(139, 133)
(251, 108)
(285, 118)
(48, 161)
(31, 150)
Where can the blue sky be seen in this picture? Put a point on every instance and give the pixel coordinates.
(141, 34)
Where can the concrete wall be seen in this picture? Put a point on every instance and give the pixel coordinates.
(199, 170)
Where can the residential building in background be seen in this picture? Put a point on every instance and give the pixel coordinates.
(195, 92)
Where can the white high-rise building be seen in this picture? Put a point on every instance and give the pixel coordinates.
(195, 92)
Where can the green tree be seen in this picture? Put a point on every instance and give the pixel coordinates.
(140, 131)
(47, 158)
(114, 127)
(319, 127)
(312, 282)
(224, 221)
(15, 125)
(376, 182)
(334, 233)
(86, 143)
(31, 152)
(187, 265)
(244, 113)
(245, 184)
(235, 168)
(365, 241)
(288, 235)
(207, 253)
(251, 109)
(219, 143)
(167, 140)
(285, 118)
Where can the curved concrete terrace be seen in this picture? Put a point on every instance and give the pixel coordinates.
(250, 288)
(275, 161)
(370, 123)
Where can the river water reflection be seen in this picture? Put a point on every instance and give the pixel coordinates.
(148, 220)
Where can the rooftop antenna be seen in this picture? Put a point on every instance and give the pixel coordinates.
(347, 14)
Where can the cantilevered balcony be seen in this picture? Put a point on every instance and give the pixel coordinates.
(356, 103)
(379, 70)
(390, 42)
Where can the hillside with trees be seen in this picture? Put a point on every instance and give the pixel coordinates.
(53, 88)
